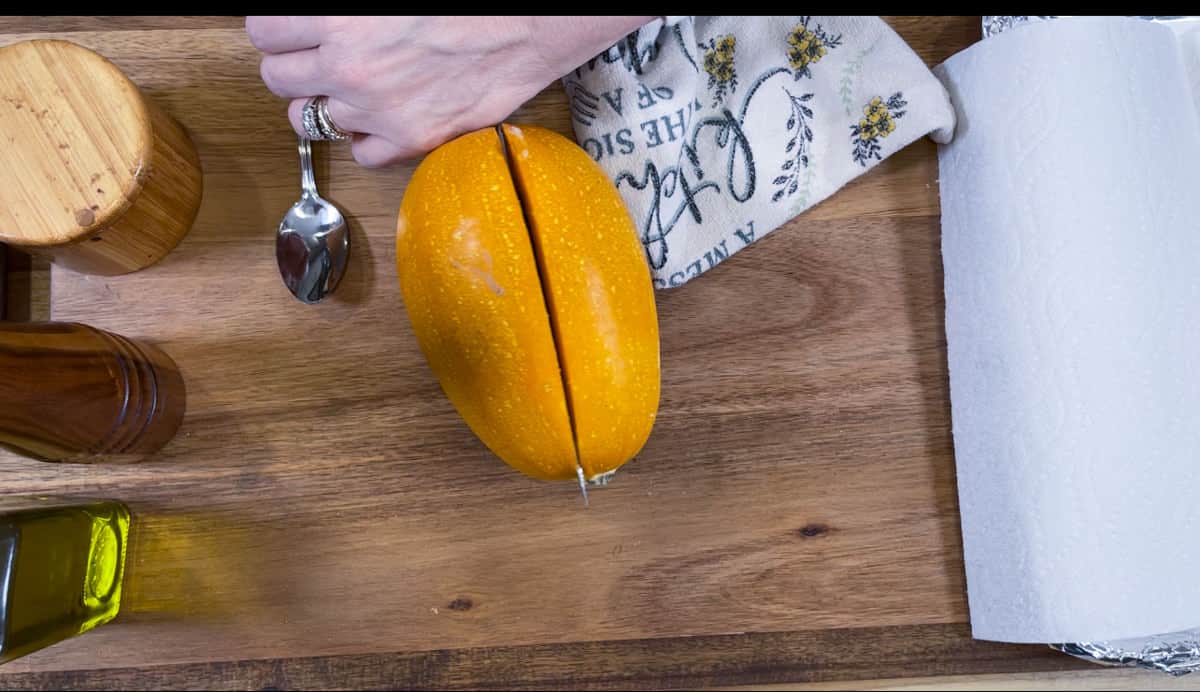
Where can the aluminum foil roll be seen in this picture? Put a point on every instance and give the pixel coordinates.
(995, 24)
(1177, 653)
(1174, 653)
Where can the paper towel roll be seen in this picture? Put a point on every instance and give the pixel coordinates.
(1071, 246)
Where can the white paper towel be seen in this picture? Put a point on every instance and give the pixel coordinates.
(1071, 246)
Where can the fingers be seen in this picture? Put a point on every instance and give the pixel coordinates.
(344, 115)
(294, 109)
(347, 117)
(370, 149)
(373, 151)
(285, 34)
(291, 69)
(293, 75)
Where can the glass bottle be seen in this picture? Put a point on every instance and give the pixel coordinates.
(62, 562)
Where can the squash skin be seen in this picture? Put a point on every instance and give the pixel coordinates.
(600, 293)
(528, 292)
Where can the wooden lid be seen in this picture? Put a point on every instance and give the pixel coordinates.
(77, 141)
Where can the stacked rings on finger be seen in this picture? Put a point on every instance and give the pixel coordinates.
(317, 123)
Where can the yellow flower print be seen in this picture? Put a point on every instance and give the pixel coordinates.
(719, 64)
(876, 110)
(878, 121)
(807, 45)
(806, 48)
(726, 46)
(866, 129)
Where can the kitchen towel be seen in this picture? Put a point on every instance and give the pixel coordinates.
(1071, 249)
(717, 130)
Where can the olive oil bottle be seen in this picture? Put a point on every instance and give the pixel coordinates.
(61, 567)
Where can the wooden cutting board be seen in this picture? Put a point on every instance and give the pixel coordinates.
(324, 518)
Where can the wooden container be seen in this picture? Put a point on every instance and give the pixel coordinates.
(96, 176)
(71, 392)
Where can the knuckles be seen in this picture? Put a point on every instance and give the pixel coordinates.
(257, 29)
(346, 72)
(270, 71)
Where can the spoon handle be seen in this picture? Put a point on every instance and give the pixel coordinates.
(308, 182)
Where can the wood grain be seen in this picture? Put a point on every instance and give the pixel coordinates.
(27, 287)
(755, 506)
(99, 179)
(67, 24)
(936, 38)
(75, 393)
(676, 663)
(324, 518)
(1095, 679)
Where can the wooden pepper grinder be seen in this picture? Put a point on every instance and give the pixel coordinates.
(70, 392)
(96, 177)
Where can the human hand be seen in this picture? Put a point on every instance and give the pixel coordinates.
(404, 85)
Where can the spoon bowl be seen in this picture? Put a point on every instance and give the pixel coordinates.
(312, 243)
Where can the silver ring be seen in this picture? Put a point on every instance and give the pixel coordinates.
(314, 117)
(332, 131)
(309, 121)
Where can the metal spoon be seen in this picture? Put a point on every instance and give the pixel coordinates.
(312, 243)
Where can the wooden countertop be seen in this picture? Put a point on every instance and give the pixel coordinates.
(324, 519)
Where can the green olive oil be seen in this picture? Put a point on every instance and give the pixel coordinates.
(61, 568)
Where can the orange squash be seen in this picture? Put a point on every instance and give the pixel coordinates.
(529, 294)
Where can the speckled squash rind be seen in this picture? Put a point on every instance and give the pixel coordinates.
(505, 280)
(470, 285)
(600, 294)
